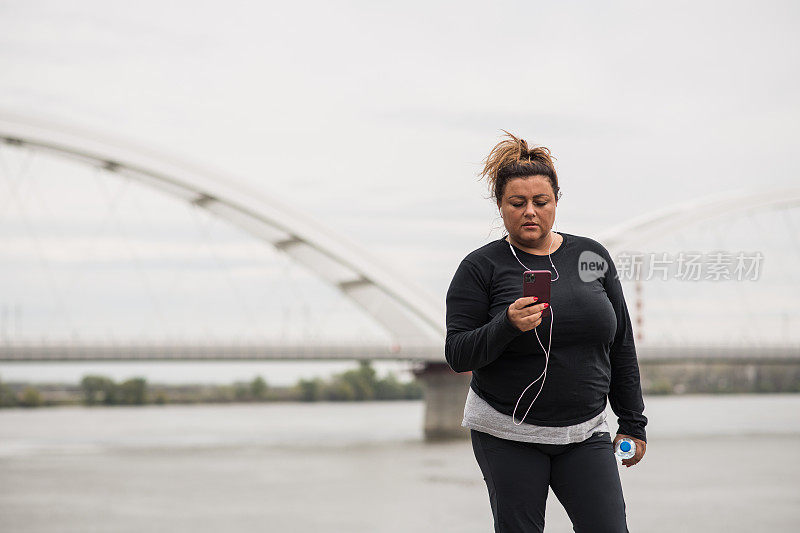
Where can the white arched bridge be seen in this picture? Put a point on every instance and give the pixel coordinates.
(413, 319)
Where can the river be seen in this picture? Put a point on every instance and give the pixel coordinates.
(724, 463)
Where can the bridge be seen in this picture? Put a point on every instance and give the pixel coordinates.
(412, 318)
(330, 351)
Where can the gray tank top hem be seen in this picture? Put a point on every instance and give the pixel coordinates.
(481, 416)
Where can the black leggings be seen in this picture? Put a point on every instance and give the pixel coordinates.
(584, 476)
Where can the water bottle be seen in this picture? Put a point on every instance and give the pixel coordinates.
(625, 449)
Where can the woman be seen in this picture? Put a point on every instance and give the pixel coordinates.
(582, 353)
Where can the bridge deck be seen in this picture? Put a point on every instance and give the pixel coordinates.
(327, 352)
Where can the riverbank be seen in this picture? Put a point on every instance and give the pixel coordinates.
(362, 384)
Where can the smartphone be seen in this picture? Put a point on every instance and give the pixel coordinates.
(537, 283)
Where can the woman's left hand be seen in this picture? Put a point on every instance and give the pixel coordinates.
(640, 448)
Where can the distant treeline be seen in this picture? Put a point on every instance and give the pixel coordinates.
(359, 384)
(362, 384)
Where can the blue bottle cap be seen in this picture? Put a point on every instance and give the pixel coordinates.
(625, 446)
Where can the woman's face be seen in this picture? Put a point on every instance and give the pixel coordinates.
(529, 200)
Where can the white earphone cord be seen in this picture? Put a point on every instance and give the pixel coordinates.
(543, 375)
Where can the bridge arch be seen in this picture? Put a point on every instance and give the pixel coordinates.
(639, 230)
(402, 307)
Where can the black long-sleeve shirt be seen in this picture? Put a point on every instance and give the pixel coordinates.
(592, 354)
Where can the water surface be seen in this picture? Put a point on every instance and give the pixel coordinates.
(713, 463)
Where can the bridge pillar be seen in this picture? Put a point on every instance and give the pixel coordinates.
(445, 392)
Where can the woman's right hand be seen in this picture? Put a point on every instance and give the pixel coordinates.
(525, 318)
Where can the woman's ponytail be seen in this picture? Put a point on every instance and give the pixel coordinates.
(511, 158)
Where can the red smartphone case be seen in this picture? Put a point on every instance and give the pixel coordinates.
(537, 283)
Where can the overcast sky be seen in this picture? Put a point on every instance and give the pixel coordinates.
(373, 118)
